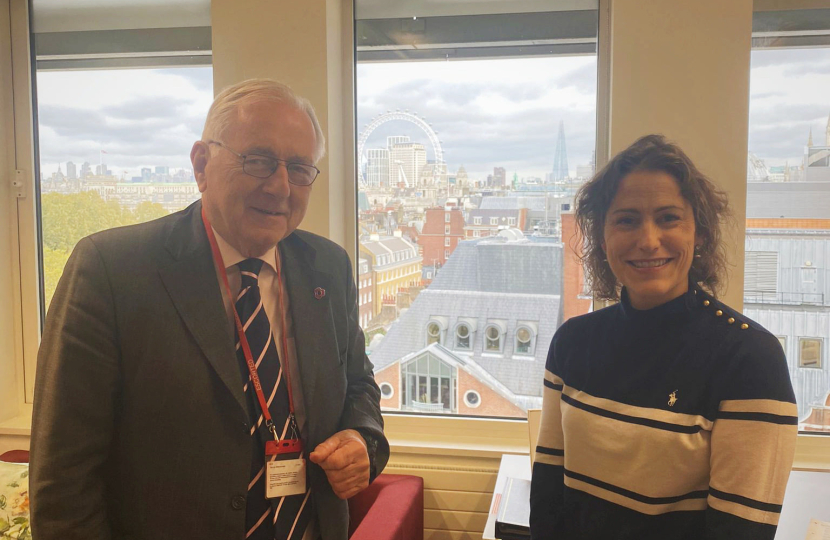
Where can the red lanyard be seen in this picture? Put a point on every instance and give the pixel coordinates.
(243, 340)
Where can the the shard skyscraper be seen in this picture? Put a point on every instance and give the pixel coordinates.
(560, 158)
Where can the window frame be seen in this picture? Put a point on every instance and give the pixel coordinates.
(801, 341)
(456, 436)
(531, 344)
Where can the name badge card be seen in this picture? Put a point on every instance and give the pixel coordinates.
(284, 477)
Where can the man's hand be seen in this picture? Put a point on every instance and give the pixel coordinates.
(346, 461)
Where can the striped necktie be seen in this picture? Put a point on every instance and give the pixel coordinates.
(283, 518)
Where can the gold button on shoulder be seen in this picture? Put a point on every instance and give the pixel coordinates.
(730, 320)
(744, 326)
(718, 313)
(706, 303)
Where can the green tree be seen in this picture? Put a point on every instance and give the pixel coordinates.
(69, 217)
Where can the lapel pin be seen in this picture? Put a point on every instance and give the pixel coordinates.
(319, 293)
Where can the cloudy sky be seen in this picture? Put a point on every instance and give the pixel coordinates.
(487, 113)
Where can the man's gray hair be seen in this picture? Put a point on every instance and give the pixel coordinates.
(227, 103)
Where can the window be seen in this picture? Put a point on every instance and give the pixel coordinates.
(462, 337)
(809, 353)
(788, 200)
(386, 390)
(472, 399)
(511, 221)
(547, 77)
(434, 332)
(447, 241)
(525, 340)
(493, 339)
(428, 385)
(90, 165)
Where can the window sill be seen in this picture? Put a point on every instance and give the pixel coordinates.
(20, 425)
(488, 438)
(475, 437)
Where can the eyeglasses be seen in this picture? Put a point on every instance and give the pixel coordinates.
(299, 174)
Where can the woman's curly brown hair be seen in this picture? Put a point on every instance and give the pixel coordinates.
(709, 204)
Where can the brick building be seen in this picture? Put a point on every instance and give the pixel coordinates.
(395, 263)
(476, 341)
(443, 230)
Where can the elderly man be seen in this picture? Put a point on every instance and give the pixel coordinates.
(190, 365)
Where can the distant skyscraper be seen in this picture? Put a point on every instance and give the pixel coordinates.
(377, 167)
(499, 177)
(396, 139)
(101, 170)
(560, 157)
(146, 174)
(71, 171)
(406, 161)
(163, 170)
(86, 170)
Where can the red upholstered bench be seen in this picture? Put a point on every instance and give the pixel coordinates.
(391, 508)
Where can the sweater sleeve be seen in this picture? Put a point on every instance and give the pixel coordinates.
(547, 484)
(753, 441)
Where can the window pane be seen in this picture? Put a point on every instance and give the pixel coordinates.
(787, 274)
(475, 129)
(114, 150)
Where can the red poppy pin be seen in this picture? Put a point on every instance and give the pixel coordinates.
(319, 293)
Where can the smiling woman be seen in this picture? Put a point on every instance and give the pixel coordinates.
(694, 393)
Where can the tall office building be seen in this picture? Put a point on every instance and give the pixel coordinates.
(396, 139)
(377, 167)
(146, 174)
(560, 157)
(499, 177)
(405, 163)
(71, 171)
(86, 170)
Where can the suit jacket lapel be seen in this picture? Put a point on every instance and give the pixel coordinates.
(313, 336)
(193, 286)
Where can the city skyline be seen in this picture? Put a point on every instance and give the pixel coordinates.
(142, 118)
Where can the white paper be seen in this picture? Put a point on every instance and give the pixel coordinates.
(819, 530)
(284, 478)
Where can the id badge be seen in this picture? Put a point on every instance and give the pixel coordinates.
(285, 471)
(284, 477)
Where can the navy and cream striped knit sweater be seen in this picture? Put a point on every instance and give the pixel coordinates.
(676, 422)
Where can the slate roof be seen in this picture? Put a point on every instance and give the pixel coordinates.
(492, 265)
(523, 375)
(804, 200)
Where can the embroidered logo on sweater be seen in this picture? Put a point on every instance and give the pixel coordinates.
(672, 398)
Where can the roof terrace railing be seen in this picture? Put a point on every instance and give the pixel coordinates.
(784, 298)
